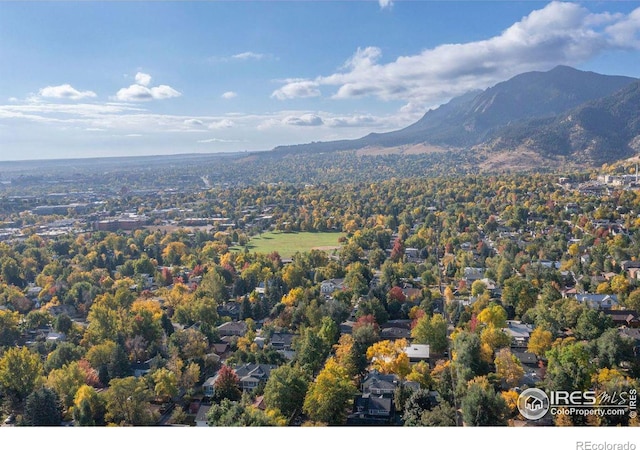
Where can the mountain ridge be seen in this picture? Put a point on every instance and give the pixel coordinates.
(508, 115)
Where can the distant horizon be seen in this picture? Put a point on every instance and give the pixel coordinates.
(150, 155)
(109, 79)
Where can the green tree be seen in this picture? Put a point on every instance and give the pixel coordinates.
(64, 353)
(238, 414)
(43, 408)
(519, 293)
(569, 367)
(285, 390)
(20, 372)
(432, 331)
(66, 381)
(418, 403)
(9, 328)
(442, 415)
(482, 405)
(128, 402)
(89, 407)
(165, 384)
(311, 350)
(329, 396)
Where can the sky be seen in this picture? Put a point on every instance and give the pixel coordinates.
(119, 78)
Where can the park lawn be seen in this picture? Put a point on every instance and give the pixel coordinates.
(287, 244)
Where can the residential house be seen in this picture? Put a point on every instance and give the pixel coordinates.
(394, 333)
(141, 368)
(623, 317)
(471, 274)
(626, 265)
(201, 416)
(347, 327)
(229, 309)
(634, 334)
(519, 333)
(328, 287)
(282, 341)
(417, 352)
(220, 348)
(232, 329)
(371, 410)
(208, 387)
(251, 375)
(598, 301)
(376, 383)
(53, 336)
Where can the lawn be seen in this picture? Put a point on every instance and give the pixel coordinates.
(287, 244)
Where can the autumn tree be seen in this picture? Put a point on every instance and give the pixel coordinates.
(66, 381)
(433, 331)
(329, 396)
(569, 367)
(20, 372)
(89, 407)
(227, 384)
(482, 405)
(390, 357)
(9, 328)
(165, 384)
(128, 402)
(539, 342)
(508, 368)
(286, 389)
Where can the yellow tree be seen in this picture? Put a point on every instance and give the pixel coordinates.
(329, 396)
(389, 357)
(540, 341)
(20, 372)
(293, 296)
(66, 382)
(508, 368)
(494, 315)
(165, 384)
(420, 374)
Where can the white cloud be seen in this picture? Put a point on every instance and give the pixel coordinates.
(65, 91)
(216, 140)
(385, 4)
(163, 91)
(143, 79)
(249, 55)
(351, 121)
(306, 120)
(559, 33)
(229, 95)
(194, 122)
(141, 92)
(297, 89)
(220, 124)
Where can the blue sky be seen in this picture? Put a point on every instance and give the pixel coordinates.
(83, 79)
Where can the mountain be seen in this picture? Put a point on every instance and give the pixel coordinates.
(602, 130)
(511, 113)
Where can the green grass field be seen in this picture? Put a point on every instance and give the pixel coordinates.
(287, 244)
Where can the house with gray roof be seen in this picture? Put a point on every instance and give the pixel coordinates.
(251, 375)
(598, 301)
(519, 333)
